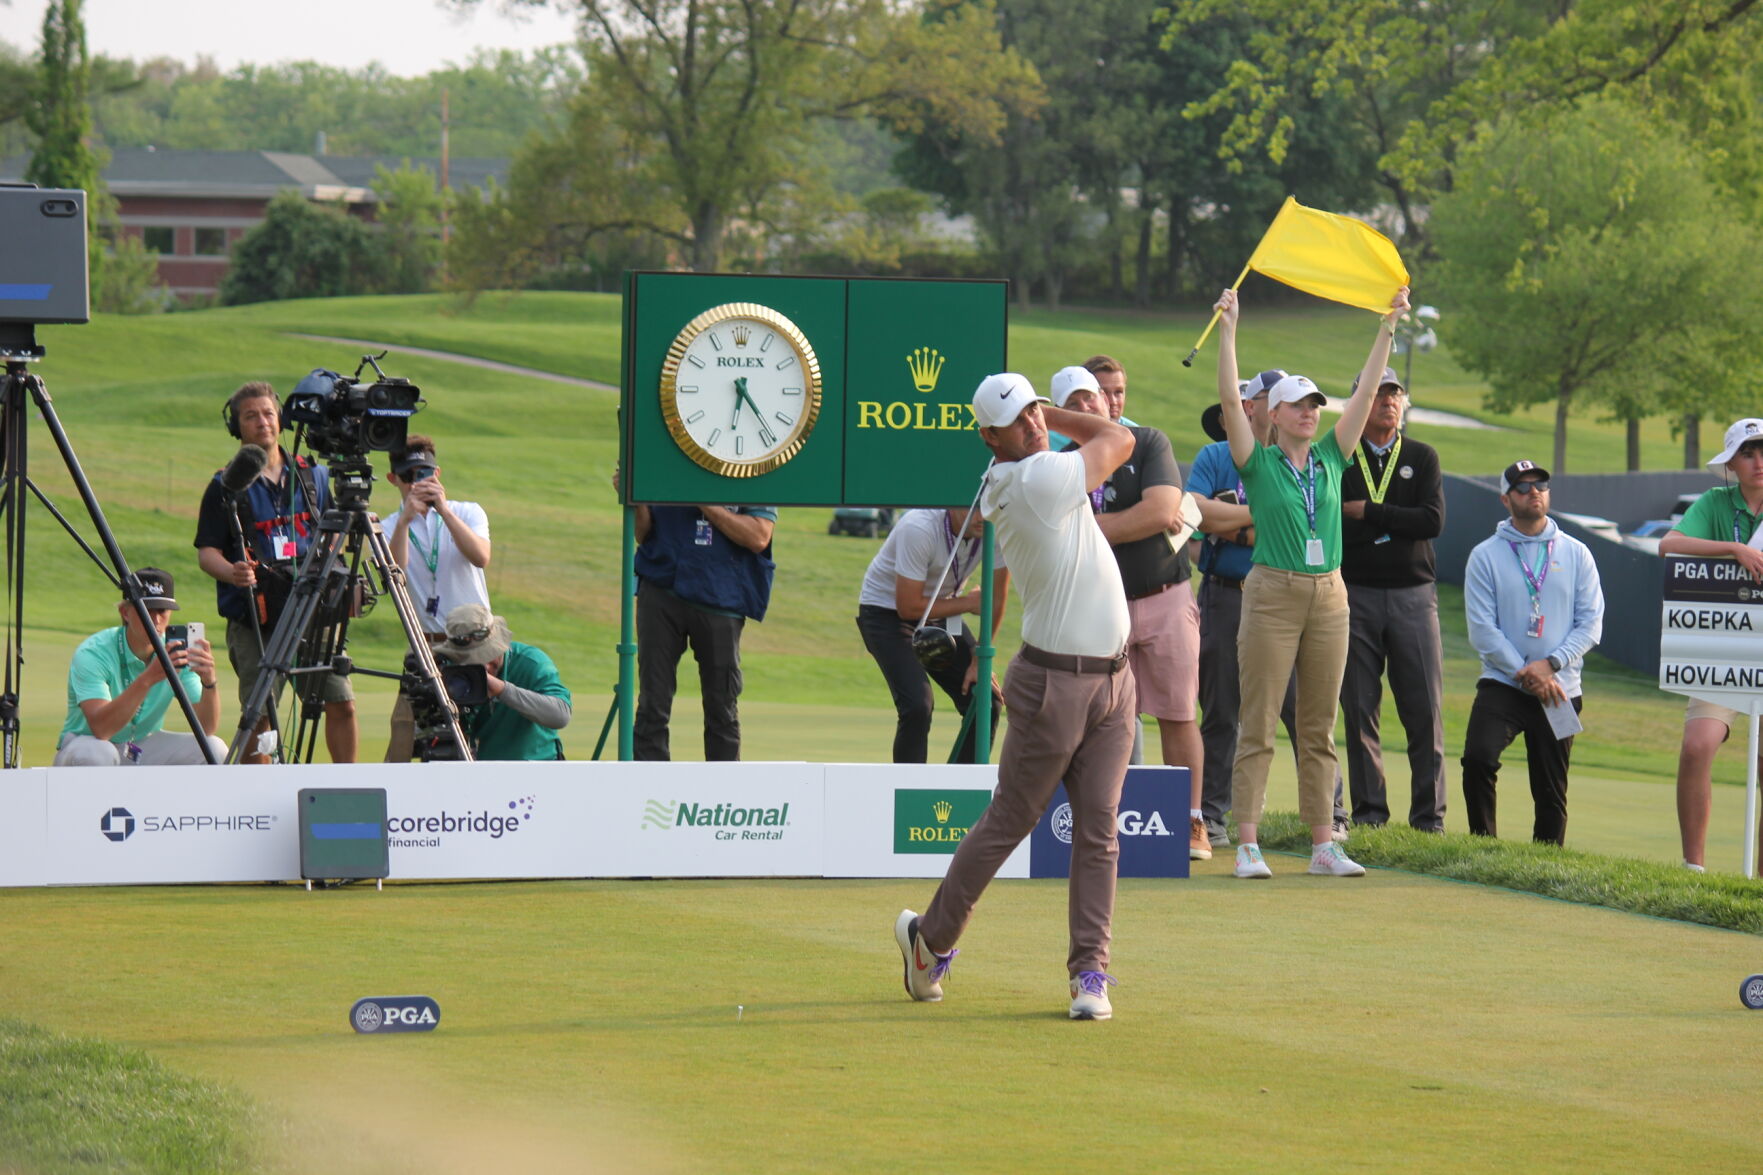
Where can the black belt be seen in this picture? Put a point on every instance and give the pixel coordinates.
(1072, 662)
(1156, 591)
(1235, 584)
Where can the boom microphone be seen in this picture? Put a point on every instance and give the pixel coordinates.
(243, 469)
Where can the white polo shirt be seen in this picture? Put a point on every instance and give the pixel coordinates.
(454, 579)
(919, 547)
(1072, 597)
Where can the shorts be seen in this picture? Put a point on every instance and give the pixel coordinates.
(1700, 709)
(1164, 651)
(246, 654)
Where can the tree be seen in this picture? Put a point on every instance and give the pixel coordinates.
(409, 219)
(1424, 77)
(690, 123)
(1586, 254)
(303, 250)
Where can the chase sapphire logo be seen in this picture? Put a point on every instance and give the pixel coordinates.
(395, 1013)
(118, 824)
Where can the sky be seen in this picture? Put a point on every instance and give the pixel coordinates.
(409, 37)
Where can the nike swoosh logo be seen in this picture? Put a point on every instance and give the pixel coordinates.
(1003, 393)
(918, 957)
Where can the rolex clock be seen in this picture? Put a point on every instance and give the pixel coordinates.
(740, 390)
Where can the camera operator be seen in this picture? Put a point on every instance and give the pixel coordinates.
(117, 694)
(528, 702)
(451, 542)
(278, 512)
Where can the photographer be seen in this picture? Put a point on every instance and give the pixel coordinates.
(528, 702)
(278, 512)
(451, 542)
(117, 694)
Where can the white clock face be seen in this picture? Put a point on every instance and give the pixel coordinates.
(740, 389)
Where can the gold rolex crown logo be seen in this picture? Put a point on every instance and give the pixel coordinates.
(927, 367)
(742, 334)
(942, 808)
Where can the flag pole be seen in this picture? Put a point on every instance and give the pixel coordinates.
(1207, 333)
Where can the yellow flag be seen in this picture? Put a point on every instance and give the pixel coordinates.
(1333, 257)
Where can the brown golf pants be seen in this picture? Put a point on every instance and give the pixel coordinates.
(1074, 728)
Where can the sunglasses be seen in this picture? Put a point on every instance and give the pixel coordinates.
(476, 636)
(1527, 488)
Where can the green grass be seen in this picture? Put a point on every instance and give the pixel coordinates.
(1592, 879)
(76, 1105)
(1394, 1022)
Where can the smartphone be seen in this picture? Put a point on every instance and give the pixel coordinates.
(185, 633)
(1229, 496)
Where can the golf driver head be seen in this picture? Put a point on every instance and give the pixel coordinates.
(934, 648)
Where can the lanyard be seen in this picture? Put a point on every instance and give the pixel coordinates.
(1307, 488)
(432, 556)
(1376, 492)
(1534, 579)
(958, 574)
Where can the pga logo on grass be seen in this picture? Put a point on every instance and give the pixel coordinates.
(395, 1013)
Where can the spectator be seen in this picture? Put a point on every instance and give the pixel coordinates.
(1393, 506)
(1535, 609)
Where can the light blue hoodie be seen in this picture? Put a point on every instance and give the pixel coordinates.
(1497, 601)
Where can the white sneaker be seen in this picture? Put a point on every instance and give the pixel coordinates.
(1694, 868)
(1089, 995)
(1338, 833)
(1249, 862)
(924, 967)
(1330, 860)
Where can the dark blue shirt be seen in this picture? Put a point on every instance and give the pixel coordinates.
(689, 557)
(1212, 473)
(278, 515)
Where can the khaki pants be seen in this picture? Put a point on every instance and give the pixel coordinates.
(1290, 620)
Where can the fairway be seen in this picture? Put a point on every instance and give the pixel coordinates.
(1392, 1023)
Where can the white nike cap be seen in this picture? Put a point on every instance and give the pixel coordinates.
(1000, 399)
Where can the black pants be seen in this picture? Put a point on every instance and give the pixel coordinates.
(666, 625)
(1221, 696)
(888, 637)
(1500, 714)
(1397, 629)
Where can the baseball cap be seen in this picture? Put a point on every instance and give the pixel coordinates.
(1748, 429)
(1510, 478)
(1000, 399)
(1291, 390)
(1070, 379)
(156, 589)
(1389, 377)
(1255, 385)
(413, 460)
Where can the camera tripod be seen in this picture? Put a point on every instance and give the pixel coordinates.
(18, 347)
(312, 632)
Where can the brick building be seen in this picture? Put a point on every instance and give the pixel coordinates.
(190, 206)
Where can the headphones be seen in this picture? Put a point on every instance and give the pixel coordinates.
(229, 415)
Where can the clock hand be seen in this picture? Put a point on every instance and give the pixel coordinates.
(740, 394)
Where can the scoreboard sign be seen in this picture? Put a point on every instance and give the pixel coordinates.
(1712, 633)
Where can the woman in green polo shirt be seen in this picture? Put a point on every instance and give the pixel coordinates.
(1721, 525)
(1294, 603)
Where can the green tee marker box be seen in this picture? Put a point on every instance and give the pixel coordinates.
(343, 833)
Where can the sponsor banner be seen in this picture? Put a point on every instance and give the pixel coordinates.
(711, 820)
(882, 818)
(1152, 823)
(23, 806)
(1693, 579)
(109, 825)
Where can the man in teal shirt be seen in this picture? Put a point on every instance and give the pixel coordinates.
(117, 694)
(528, 702)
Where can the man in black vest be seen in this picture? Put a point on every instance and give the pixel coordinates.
(702, 571)
(1140, 509)
(1392, 507)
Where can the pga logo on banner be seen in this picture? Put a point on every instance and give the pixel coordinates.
(1152, 825)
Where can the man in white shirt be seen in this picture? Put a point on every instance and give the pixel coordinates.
(1070, 694)
(928, 551)
(443, 547)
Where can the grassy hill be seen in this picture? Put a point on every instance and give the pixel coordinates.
(140, 399)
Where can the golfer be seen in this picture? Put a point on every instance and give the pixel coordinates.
(1723, 524)
(1069, 692)
(1294, 603)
